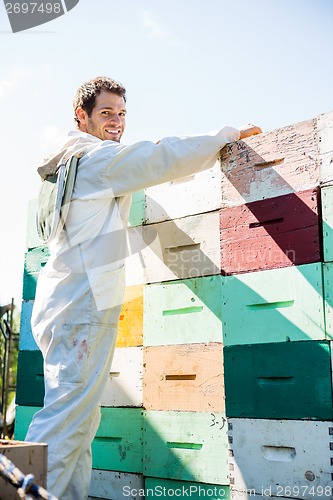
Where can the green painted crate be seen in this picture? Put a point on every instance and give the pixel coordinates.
(23, 418)
(167, 488)
(327, 222)
(30, 379)
(35, 259)
(273, 306)
(187, 446)
(285, 380)
(118, 442)
(183, 311)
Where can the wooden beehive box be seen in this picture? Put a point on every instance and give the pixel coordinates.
(187, 377)
(290, 458)
(195, 194)
(130, 325)
(182, 248)
(271, 164)
(124, 385)
(183, 311)
(271, 233)
(284, 380)
(187, 446)
(29, 458)
(273, 305)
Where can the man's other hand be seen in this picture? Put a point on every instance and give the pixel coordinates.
(248, 130)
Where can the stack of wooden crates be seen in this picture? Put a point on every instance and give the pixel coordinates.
(221, 385)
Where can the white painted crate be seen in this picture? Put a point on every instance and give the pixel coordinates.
(325, 146)
(112, 485)
(290, 458)
(195, 194)
(124, 385)
(271, 164)
(177, 249)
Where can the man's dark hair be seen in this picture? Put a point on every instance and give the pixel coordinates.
(86, 94)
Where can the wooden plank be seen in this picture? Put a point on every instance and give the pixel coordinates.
(186, 377)
(29, 458)
(285, 380)
(124, 385)
(26, 341)
(182, 248)
(327, 222)
(187, 446)
(167, 488)
(271, 164)
(325, 146)
(35, 259)
(130, 325)
(30, 379)
(118, 442)
(273, 306)
(23, 418)
(294, 458)
(185, 196)
(183, 311)
(110, 485)
(271, 233)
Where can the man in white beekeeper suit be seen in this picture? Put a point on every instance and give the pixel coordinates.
(80, 290)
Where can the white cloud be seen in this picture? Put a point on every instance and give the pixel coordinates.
(156, 30)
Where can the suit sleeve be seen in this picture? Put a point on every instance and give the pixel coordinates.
(144, 164)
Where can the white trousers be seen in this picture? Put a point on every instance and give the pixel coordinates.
(77, 359)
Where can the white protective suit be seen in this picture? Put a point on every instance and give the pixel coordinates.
(80, 290)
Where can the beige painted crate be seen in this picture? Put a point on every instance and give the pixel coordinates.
(29, 458)
(186, 377)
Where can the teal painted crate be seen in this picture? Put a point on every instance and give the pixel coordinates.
(30, 379)
(327, 222)
(118, 442)
(273, 306)
(26, 341)
(137, 212)
(35, 260)
(23, 418)
(187, 446)
(328, 295)
(183, 311)
(167, 488)
(285, 380)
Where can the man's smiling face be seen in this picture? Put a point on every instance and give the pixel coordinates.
(107, 120)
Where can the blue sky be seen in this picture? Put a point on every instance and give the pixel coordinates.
(188, 66)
